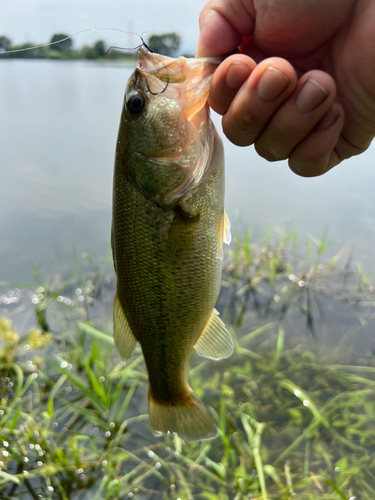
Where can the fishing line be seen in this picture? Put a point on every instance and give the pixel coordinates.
(137, 47)
(83, 31)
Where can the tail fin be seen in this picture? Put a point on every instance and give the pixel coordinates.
(188, 417)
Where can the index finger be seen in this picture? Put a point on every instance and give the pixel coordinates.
(223, 24)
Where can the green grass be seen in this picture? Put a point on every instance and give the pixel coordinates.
(296, 416)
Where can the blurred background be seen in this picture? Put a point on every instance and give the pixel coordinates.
(60, 109)
(304, 366)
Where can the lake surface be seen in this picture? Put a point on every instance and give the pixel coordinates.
(58, 129)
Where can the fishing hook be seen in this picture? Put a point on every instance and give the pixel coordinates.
(157, 93)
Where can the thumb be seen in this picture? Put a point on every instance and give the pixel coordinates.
(223, 24)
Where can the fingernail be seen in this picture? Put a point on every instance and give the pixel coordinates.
(237, 74)
(310, 96)
(271, 84)
(328, 119)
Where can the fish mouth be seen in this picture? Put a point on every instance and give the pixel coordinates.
(185, 78)
(175, 70)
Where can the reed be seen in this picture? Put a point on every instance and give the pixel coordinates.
(295, 404)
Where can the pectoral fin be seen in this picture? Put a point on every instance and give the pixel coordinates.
(215, 341)
(224, 233)
(125, 340)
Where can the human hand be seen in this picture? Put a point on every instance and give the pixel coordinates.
(302, 86)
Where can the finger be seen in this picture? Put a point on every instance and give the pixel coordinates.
(294, 120)
(222, 26)
(268, 86)
(227, 79)
(317, 153)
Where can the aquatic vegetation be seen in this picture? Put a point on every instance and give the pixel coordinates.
(296, 416)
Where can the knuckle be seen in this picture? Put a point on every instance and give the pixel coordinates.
(238, 138)
(244, 119)
(307, 167)
(278, 140)
(240, 130)
(270, 152)
(286, 130)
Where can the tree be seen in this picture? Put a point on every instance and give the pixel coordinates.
(89, 52)
(5, 44)
(100, 48)
(167, 44)
(26, 51)
(63, 45)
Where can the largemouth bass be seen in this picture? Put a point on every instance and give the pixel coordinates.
(168, 230)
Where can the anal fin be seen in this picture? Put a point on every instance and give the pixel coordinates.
(215, 341)
(125, 340)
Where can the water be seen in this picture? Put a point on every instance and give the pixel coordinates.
(58, 131)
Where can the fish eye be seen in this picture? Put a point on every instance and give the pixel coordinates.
(135, 104)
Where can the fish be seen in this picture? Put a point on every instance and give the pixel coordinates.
(168, 229)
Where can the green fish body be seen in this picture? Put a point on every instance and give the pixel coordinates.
(167, 232)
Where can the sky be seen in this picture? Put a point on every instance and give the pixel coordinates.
(37, 20)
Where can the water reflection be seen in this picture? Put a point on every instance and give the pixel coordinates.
(57, 151)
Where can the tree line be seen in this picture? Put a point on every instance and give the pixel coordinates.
(61, 47)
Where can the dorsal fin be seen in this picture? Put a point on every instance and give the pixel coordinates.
(215, 341)
(125, 340)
